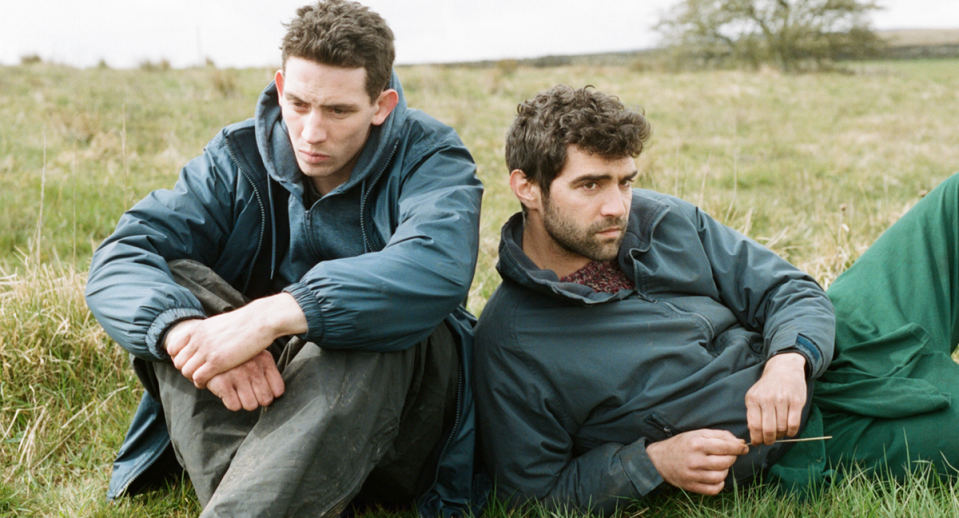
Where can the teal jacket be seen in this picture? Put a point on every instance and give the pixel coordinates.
(571, 384)
(419, 213)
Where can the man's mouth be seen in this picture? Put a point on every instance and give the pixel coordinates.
(313, 158)
(610, 232)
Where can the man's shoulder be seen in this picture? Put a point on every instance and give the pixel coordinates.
(660, 200)
(511, 306)
(235, 148)
(422, 129)
(243, 133)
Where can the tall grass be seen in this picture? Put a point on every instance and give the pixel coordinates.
(813, 166)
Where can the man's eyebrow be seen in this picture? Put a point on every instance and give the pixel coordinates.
(293, 97)
(601, 176)
(341, 106)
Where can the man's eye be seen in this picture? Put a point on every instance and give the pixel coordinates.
(590, 186)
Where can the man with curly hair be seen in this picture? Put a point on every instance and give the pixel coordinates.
(635, 342)
(294, 304)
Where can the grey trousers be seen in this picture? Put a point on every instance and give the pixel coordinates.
(346, 418)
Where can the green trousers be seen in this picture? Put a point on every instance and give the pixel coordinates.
(890, 397)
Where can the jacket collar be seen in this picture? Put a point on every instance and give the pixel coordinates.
(645, 214)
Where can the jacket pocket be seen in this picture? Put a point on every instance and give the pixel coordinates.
(660, 427)
(738, 337)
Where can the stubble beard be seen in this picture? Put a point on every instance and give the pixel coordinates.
(579, 241)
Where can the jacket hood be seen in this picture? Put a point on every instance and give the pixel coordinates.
(273, 139)
(516, 266)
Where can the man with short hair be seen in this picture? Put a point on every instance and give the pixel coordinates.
(635, 342)
(337, 217)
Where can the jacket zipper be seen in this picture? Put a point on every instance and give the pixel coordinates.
(657, 421)
(366, 195)
(707, 326)
(122, 491)
(259, 201)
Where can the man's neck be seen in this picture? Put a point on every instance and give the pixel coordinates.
(547, 254)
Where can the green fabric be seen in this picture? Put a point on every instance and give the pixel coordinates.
(886, 397)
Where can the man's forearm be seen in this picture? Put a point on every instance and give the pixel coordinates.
(201, 349)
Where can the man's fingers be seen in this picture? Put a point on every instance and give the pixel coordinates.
(770, 424)
(726, 447)
(709, 476)
(223, 389)
(706, 489)
(716, 463)
(262, 390)
(231, 401)
(795, 419)
(275, 380)
(721, 442)
(754, 420)
(247, 398)
(201, 374)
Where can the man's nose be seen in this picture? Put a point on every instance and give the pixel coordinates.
(614, 204)
(314, 128)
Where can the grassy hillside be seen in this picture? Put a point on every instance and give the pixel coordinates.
(814, 166)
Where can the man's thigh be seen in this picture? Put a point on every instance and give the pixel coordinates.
(430, 408)
(343, 414)
(204, 433)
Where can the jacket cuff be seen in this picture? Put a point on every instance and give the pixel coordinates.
(805, 347)
(639, 468)
(311, 308)
(162, 323)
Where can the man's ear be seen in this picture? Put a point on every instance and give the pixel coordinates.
(385, 103)
(278, 79)
(525, 190)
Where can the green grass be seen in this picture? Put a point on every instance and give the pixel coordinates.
(814, 166)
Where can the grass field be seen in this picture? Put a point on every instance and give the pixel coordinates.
(813, 166)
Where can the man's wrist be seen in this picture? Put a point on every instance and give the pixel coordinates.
(791, 360)
(280, 314)
(791, 356)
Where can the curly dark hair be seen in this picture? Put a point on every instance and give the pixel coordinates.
(345, 34)
(562, 116)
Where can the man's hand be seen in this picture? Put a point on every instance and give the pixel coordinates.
(201, 349)
(697, 461)
(250, 385)
(774, 404)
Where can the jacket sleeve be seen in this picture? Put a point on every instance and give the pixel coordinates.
(769, 294)
(393, 298)
(130, 290)
(525, 436)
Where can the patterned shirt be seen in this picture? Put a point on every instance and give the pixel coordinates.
(601, 276)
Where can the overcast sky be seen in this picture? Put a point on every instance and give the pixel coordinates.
(243, 33)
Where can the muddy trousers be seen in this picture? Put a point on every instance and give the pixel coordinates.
(348, 423)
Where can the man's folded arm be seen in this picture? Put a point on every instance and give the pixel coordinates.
(767, 293)
(130, 289)
(536, 463)
(525, 435)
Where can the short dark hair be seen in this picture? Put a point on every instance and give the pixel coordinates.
(562, 116)
(344, 34)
